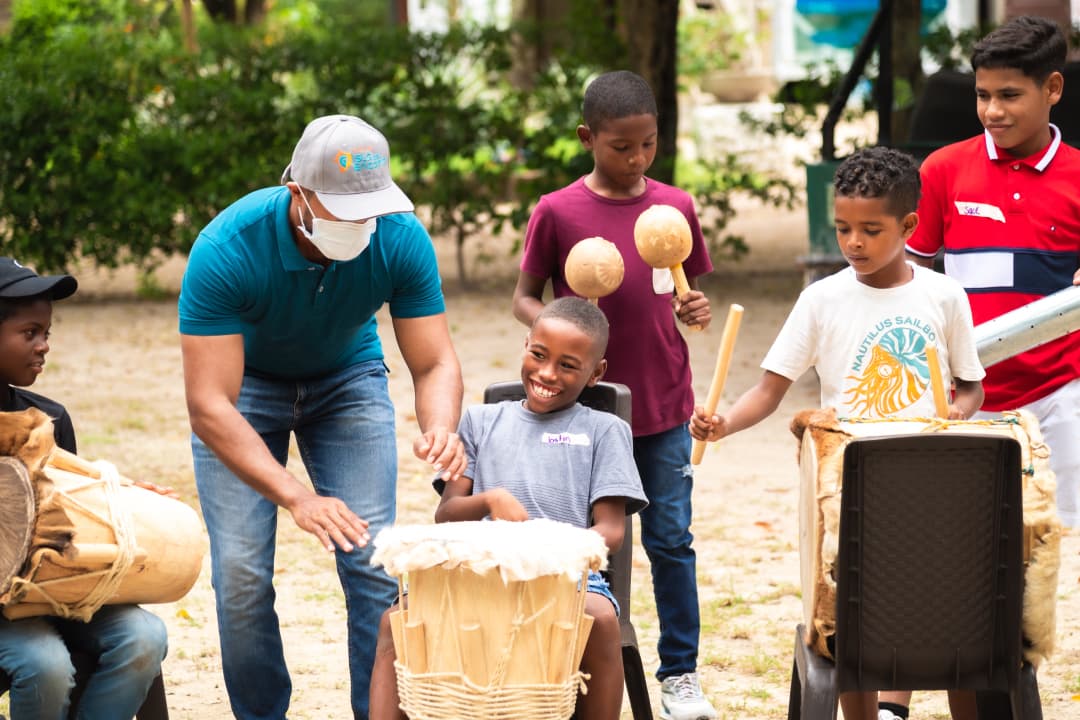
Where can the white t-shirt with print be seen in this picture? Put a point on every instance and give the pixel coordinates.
(868, 344)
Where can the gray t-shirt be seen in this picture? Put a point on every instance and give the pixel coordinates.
(556, 464)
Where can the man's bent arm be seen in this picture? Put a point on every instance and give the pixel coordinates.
(429, 354)
(213, 374)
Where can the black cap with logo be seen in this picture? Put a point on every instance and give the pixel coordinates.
(18, 281)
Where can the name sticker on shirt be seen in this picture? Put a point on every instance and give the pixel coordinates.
(565, 439)
(983, 210)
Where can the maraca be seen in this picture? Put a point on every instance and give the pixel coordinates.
(594, 268)
(662, 237)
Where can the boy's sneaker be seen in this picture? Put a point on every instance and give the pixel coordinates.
(681, 699)
(884, 714)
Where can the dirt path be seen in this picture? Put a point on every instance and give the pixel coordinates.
(116, 364)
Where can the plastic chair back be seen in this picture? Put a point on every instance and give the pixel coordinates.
(929, 577)
(930, 582)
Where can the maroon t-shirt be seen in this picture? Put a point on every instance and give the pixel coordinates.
(646, 350)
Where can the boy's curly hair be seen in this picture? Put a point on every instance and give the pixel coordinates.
(1035, 46)
(880, 172)
(616, 95)
(582, 314)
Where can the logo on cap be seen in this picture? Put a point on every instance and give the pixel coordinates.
(359, 160)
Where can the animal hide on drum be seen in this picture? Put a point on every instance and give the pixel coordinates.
(27, 436)
(1041, 524)
(91, 537)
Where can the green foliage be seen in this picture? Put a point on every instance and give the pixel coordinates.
(952, 50)
(709, 40)
(716, 184)
(120, 145)
(149, 287)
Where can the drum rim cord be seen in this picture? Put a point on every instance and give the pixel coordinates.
(111, 577)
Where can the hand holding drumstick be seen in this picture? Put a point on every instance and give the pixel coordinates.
(704, 425)
(969, 394)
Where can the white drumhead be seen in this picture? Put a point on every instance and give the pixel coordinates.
(519, 550)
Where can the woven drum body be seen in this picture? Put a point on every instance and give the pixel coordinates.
(823, 439)
(98, 539)
(493, 625)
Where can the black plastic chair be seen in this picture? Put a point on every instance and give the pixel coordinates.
(1066, 114)
(612, 398)
(929, 576)
(153, 708)
(944, 113)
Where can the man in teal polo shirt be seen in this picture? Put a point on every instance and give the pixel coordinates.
(278, 334)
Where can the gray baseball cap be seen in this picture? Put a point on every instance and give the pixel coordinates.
(347, 163)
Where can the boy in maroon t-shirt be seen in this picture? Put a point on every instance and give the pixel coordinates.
(645, 352)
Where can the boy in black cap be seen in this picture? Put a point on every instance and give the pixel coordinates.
(128, 642)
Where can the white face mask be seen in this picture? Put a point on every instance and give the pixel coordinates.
(337, 239)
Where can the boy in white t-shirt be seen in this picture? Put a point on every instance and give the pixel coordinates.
(866, 328)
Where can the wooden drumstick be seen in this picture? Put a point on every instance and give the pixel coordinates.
(61, 459)
(594, 268)
(663, 239)
(723, 361)
(941, 403)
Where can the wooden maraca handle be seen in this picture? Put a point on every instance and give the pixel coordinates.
(682, 286)
(941, 404)
(723, 362)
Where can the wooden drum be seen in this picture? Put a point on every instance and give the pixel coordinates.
(494, 623)
(823, 439)
(86, 537)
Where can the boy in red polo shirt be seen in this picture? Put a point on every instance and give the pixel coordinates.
(1005, 205)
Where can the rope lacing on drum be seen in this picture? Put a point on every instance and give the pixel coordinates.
(936, 424)
(111, 577)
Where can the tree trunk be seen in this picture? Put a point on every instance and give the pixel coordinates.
(5, 15)
(460, 237)
(254, 11)
(648, 28)
(530, 57)
(907, 66)
(221, 9)
(187, 20)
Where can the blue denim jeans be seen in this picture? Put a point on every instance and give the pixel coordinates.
(128, 642)
(663, 461)
(344, 427)
(598, 585)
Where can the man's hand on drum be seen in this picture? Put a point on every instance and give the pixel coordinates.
(504, 506)
(693, 308)
(443, 451)
(331, 521)
(707, 427)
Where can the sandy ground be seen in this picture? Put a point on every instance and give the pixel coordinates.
(116, 364)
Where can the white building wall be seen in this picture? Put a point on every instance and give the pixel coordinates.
(434, 15)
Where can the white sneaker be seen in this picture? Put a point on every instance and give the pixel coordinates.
(681, 699)
(887, 715)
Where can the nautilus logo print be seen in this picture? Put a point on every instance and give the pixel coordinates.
(890, 371)
(359, 160)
